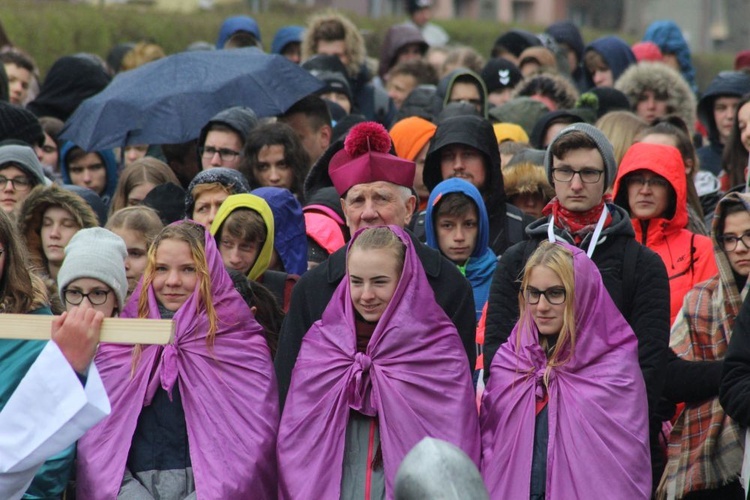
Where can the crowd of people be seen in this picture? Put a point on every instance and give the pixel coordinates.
(442, 275)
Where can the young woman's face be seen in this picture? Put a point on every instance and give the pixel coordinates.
(138, 193)
(373, 277)
(743, 120)
(98, 296)
(175, 276)
(58, 227)
(272, 169)
(737, 225)
(547, 316)
(135, 262)
(648, 194)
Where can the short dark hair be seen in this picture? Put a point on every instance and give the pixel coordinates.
(422, 71)
(314, 108)
(276, 134)
(571, 141)
(241, 39)
(20, 59)
(244, 224)
(455, 205)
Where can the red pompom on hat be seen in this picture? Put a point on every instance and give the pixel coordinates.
(366, 158)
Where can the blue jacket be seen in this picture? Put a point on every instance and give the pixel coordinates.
(668, 36)
(481, 265)
(110, 163)
(290, 237)
(615, 52)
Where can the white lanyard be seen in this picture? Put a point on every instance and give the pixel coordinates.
(594, 237)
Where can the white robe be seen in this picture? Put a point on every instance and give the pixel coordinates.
(49, 410)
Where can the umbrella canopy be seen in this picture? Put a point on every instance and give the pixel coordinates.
(168, 101)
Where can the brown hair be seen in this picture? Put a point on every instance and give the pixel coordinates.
(142, 171)
(454, 205)
(20, 290)
(244, 224)
(572, 141)
(621, 128)
(141, 219)
(139, 55)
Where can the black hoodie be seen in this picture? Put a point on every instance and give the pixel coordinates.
(725, 84)
(506, 221)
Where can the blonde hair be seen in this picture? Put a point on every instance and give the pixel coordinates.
(194, 235)
(376, 238)
(141, 219)
(142, 53)
(621, 128)
(560, 261)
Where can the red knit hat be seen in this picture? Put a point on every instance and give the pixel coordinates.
(647, 51)
(366, 158)
(410, 135)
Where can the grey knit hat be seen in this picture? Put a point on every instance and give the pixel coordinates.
(602, 144)
(99, 254)
(24, 158)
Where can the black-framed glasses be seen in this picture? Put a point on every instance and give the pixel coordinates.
(729, 241)
(19, 183)
(639, 181)
(96, 297)
(554, 295)
(587, 175)
(208, 152)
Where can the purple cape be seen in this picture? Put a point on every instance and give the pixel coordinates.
(228, 393)
(414, 376)
(597, 409)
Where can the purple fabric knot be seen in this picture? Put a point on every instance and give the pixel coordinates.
(169, 368)
(360, 388)
(364, 361)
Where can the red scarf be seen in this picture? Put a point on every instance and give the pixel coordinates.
(578, 224)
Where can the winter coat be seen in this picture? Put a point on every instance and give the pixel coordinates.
(506, 221)
(30, 217)
(314, 290)
(704, 449)
(645, 306)
(725, 84)
(110, 164)
(688, 257)
(668, 37)
(480, 266)
(615, 52)
(662, 80)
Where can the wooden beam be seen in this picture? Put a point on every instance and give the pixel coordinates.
(114, 330)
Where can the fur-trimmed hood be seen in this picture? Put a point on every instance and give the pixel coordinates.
(32, 211)
(355, 44)
(661, 79)
(527, 178)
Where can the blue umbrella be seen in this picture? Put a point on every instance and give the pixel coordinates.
(168, 101)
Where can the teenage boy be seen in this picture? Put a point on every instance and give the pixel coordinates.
(456, 223)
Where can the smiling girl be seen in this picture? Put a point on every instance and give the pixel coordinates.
(172, 405)
(370, 376)
(565, 413)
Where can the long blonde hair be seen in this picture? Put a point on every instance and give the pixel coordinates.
(560, 261)
(194, 235)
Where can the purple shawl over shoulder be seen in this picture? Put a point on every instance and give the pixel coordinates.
(414, 376)
(598, 428)
(228, 393)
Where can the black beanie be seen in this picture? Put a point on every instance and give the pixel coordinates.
(500, 74)
(17, 123)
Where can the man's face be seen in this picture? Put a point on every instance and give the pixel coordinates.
(376, 204)
(19, 80)
(48, 153)
(12, 194)
(222, 149)
(89, 171)
(576, 195)
(466, 92)
(725, 108)
(464, 162)
(314, 141)
(457, 235)
(399, 87)
(409, 52)
(334, 48)
(293, 52)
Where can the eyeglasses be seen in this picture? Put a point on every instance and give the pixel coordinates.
(554, 295)
(224, 154)
(729, 241)
(96, 297)
(19, 183)
(587, 175)
(640, 181)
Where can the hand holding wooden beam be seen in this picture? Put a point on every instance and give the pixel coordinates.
(114, 330)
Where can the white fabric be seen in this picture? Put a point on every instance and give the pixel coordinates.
(48, 411)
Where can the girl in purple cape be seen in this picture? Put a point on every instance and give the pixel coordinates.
(383, 368)
(196, 418)
(564, 414)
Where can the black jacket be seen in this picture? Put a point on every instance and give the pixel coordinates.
(314, 290)
(734, 392)
(646, 310)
